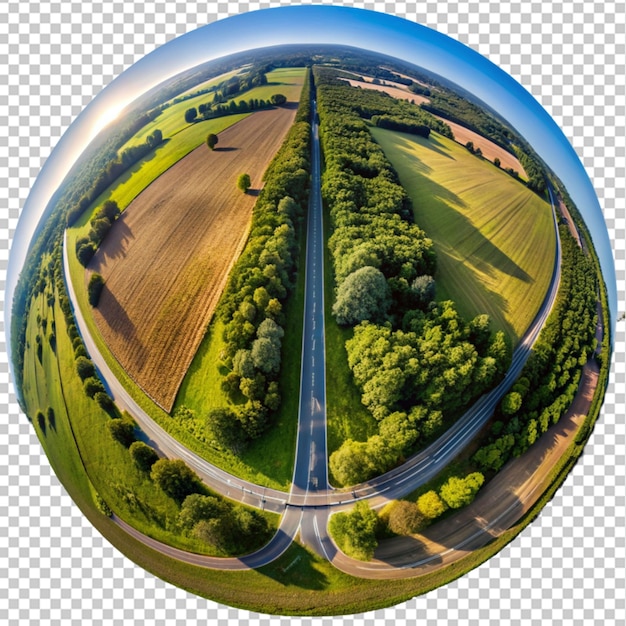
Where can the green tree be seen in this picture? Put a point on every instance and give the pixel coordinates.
(278, 99)
(94, 289)
(225, 430)
(143, 455)
(212, 141)
(363, 295)
(175, 478)
(191, 115)
(92, 386)
(122, 431)
(355, 532)
(266, 355)
(197, 507)
(496, 162)
(244, 182)
(431, 505)
(459, 492)
(85, 368)
(511, 403)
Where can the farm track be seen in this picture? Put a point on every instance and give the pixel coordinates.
(167, 258)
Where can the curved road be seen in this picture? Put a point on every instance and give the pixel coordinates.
(310, 489)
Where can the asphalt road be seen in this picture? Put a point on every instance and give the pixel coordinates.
(311, 500)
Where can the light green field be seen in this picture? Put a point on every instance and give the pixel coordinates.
(171, 121)
(494, 239)
(79, 445)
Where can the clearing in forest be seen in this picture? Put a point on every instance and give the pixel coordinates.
(167, 258)
(494, 238)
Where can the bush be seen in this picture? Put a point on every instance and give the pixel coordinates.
(405, 518)
(122, 431)
(431, 505)
(355, 532)
(94, 288)
(85, 368)
(143, 455)
(175, 478)
(244, 182)
(363, 295)
(92, 386)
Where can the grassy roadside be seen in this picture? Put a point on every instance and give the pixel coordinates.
(346, 416)
(74, 433)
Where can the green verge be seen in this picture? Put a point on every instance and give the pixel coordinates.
(346, 416)
(79, 446)
(494, 238)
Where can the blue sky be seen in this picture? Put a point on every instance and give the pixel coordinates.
(324, 24)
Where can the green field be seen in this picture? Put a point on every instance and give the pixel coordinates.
(171, 120)
(77, 441)
(494, 238)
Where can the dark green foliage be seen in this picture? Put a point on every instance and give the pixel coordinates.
(225, 429)
(231, 528)
(363, 295)
(123, 431)
(85, 368)
(191, 115)
(278, 99)
(212, 140)
(143, 455)
(403, 125)
(243, 182)
(175, 478)
(355, 532)
(197, 507)
(92, 386)
(94, 288)
(85, 253)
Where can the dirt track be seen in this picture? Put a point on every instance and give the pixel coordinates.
(166, 259)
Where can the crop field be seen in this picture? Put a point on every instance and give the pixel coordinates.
(166, 259)
(392, 90)
(171, 121)
(494, 238)
(489, 149)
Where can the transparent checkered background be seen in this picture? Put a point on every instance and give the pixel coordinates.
(566, 568)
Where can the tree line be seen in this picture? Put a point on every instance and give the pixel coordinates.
(113, 170)
(415, 362)
(210, 111)
(549, 381)
(357, 532)
(259, 283)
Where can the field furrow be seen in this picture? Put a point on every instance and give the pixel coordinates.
(167, 258)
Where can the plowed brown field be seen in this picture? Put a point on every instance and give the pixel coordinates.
(167, 258)
(489, 149)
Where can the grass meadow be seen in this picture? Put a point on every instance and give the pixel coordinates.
(494, 238)
(75, 438)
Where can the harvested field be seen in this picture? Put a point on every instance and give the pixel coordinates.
(489, 149)
(394, 91)
(167, 258)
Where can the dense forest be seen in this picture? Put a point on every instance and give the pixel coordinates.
(415, 361)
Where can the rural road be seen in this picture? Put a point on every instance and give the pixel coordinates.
(311, 500)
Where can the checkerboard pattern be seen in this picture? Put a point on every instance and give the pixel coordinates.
(568, 567)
